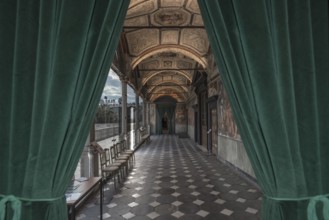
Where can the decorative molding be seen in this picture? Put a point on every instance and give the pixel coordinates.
(192, 54)
(171, 3)
(199, 82)
(150, 75)
(140, 21)
(183, 64)
(167, 42)
(195, 39)
(141, 40)
(169, 36)
(197, 20)
(153, 64)
(167, 63)
(170, 17)
(212, 99)
(143, 8)
(193, 6)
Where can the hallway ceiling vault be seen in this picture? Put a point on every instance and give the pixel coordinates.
(165, 43)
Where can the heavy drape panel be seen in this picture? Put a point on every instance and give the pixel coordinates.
(54, 60)
(273, 59)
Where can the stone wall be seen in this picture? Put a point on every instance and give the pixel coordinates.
(181, 119)
(233, 151)
(229, 145)
(152, 118)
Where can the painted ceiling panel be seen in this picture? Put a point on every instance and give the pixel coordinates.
(195, 39)
(171, 17)
(172, 3)
(166, 42)
(140, 21)
(142, 40)
(137, 8)
(169, 36)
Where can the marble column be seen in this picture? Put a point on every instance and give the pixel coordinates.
(87, 160)
(137, 120)
(124, 109)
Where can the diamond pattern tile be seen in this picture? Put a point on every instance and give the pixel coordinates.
(153, 215)
(173, 179)
(242, 200)
(177, 203)
(214, 193)
(128, 215)
(226, 212)
(195, 193)
(178, 214)
(136, 195)
(198, 202)
(175, 194)
(133, 204)
(202, 213)
(233, 191)
(220, 201)
(106, 215)
(251, 210)
(154, 204)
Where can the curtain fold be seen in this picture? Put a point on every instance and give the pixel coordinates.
(273, 59)
(54, 61)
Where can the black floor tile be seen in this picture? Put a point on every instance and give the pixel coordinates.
(173, 179)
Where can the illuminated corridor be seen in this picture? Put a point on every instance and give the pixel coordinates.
(173, 179)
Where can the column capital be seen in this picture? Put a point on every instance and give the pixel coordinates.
(124, 79)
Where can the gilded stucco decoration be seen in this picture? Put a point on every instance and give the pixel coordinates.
(142, 40)
(174, 92)
(171, 3)
(140, 21)
(137, 8)
(169, 36)
(167, 85)
(183, 64)
(193, 6)
(193, 55)
(197, 20)
(152, 64)
(195, 39)
(180, 75)
(166, 42)
(171, 17)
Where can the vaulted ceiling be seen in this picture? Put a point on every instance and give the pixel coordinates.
(166, 42)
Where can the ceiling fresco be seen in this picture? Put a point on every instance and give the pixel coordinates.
(166, 43)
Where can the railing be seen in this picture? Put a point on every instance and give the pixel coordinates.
(86, 164)
(107, 132)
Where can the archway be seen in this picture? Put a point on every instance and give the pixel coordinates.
(165, 115)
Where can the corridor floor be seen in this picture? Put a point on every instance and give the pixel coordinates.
(173, 179)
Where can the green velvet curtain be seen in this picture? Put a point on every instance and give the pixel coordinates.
(54, 60)
(273, 58)
(161, 109)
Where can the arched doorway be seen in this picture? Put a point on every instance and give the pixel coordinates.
(165, 115)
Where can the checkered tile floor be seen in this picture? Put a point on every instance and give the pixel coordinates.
(173, 179)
